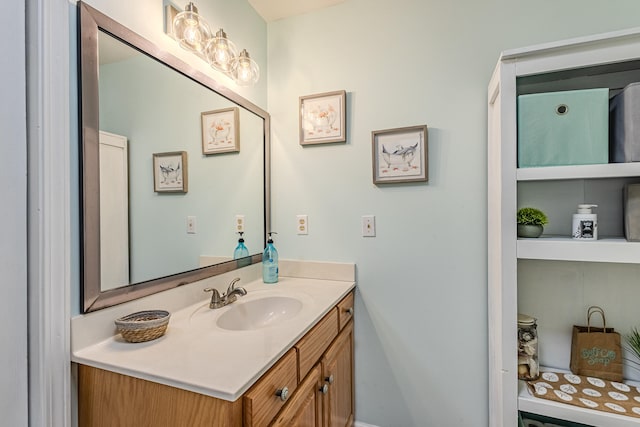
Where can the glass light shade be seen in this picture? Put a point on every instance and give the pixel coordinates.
(244, 70)
(191, 30)
(221, 52)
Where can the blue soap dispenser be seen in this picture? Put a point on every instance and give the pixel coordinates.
(270, 262)
(241, 250)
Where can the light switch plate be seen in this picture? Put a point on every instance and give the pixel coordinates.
(191, 225)
(368, 226)
(302, 224)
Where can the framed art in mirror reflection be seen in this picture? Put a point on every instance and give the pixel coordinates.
(220, 131)
(170, 172)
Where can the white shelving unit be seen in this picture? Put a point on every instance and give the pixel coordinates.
(609, 60)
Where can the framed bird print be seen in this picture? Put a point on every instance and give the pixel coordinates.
(220, 131)
(323, 118)
(170, 172)
(400, 155)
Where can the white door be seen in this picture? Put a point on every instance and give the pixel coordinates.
(114, 211)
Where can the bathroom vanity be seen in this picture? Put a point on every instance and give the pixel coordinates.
(298, 370)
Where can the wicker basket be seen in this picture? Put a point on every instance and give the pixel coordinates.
(143, 325)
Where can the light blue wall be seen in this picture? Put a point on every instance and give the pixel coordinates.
(421, 328)
(133, 103)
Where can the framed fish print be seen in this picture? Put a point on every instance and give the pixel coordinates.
(323, 118)
(400, 155)
(220, 131)
(170, 172)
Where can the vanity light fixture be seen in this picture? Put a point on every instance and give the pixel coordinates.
(191, 30)
(221, 52)
(194, 34)
(244, 70)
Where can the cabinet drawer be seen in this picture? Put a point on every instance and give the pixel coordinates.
(262, 402)
(316, 341)
(345, 310)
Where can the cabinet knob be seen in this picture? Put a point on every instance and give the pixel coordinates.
(349, 311)
(329, 379)
(283, 393)
(324, 389)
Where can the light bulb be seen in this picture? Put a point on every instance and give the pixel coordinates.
(191, 31)
(221, 51)
(244, 70)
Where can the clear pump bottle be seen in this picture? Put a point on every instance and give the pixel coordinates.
(270, 262)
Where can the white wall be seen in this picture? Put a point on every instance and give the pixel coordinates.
(421, 328)
(13, 220)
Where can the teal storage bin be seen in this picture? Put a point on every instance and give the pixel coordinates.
(563, 128)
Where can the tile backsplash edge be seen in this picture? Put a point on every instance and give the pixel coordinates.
(340, 271)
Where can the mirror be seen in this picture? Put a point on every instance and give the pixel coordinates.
(170, 158)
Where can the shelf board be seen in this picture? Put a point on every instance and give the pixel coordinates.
(615, 250)
(562, 411)
(609, 170)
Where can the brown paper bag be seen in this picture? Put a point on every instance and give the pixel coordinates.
(596, 352)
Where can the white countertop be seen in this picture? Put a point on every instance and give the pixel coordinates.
(196, 355)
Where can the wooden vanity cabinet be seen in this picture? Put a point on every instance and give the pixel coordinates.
(337, 373)
(312, 346)
(317, 374)
(263, 401)
(305, 408)
(325, 397)
(108, 399)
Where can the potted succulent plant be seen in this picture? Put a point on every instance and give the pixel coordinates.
(530, 222)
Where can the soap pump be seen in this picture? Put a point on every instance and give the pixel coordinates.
(270, 262)
(241, 250)
(585, 223)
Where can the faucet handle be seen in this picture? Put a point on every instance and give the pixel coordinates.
(215, 295)
(232, 285)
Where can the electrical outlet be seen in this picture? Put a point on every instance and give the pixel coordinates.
(368, 226)
(302, 224)
(239, 223)
(191, 225)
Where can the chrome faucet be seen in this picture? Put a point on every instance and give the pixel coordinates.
(219, 301)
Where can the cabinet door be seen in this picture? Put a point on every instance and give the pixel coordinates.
(337, 373)
(305, 407)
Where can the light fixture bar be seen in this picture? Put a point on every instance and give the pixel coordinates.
(220, 52)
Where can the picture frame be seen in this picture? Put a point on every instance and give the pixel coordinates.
(400, 155)
(170, 172)
(323, 118)
(220, 131)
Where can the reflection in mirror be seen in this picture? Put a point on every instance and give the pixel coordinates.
(139, 239)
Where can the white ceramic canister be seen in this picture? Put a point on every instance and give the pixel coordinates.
(585, 223)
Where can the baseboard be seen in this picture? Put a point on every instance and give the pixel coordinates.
(361, 424)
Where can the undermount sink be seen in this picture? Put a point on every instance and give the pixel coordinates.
(259, 313)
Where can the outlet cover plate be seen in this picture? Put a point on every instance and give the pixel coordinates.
(302, 224)
(239, 223)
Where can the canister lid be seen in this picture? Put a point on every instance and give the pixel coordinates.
(526, 320)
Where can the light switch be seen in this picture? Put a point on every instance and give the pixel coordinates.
(368, 226)
(191, 225)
